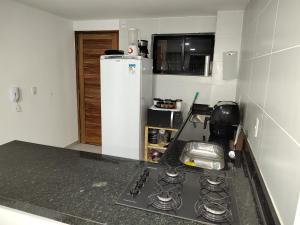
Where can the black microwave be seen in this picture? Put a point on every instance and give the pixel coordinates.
(164, 118)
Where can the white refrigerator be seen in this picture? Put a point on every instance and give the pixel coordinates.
(126, 94)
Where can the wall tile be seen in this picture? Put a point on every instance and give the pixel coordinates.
(265, 29)
(287, 33)
(243, 102)
(248, 39)
(276, 149)
(255, 7)
(258, 80)
(253, 112)
(226, 44)
(245, 76)
(279, 164)
(229, 17)
(251, 16)
(284, 90)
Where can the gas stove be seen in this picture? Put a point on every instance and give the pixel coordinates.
(202, 196)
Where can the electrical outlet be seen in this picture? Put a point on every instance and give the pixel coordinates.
(18, 108)
(33, 90)
(256, 127)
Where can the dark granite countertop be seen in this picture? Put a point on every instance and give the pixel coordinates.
(67, 186)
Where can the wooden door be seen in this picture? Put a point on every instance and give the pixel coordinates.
(90, 46)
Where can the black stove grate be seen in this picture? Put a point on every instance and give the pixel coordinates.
(174, 192)
(172, 175)
(218, 197)
(166, 200)
(213, 182)
(213, 212)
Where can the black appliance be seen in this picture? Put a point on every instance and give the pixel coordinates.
(206, 197)
(143, 47)
(224, 119)
(164, 118)
(114, 52)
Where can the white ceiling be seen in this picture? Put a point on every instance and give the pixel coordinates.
(110, 9)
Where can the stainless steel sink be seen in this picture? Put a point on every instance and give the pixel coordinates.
(204, 155)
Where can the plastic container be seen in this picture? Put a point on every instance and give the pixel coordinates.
(132, 36)
(163, 137)
(153, 136)
(178, 104)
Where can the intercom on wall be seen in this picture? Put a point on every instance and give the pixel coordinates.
(14, 94)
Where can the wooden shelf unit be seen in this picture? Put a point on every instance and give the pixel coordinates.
(157, 147)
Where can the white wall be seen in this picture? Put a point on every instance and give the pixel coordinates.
(37, 49)
(228, 28)
(228, 38)
(90, 25)
(269, 84)
(171, 86)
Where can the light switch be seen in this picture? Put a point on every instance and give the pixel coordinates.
(34, 90)
(18, 108)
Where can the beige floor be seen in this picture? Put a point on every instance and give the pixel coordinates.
(85, 148)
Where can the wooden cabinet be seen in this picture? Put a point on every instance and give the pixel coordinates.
(150, 147)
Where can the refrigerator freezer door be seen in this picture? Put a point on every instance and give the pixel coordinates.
(120, 107)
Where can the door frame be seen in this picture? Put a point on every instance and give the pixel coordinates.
(79, 87)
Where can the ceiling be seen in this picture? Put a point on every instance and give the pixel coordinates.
(110, 9)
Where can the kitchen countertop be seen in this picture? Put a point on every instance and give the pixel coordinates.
(82, 189)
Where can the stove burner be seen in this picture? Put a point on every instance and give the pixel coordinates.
(213, 182)
(213, 212)
(212, 201)
(164, 196)
(166, 200)
(172, 172)
(172, 175)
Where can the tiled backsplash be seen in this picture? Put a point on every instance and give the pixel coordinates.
(268, 89)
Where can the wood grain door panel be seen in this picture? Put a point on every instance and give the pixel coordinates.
(90, 46)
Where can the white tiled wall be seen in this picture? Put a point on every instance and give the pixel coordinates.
(269, 89)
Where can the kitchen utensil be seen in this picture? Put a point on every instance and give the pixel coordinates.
(132, 36)
(132, 50)
(156, 100)
(237, 135)
(143, 47)
(133, 41)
